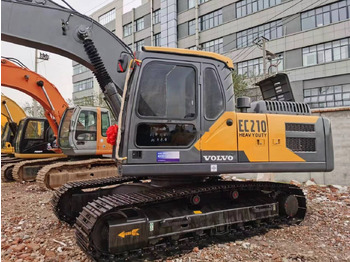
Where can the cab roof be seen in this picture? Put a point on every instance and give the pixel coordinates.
(182, 51)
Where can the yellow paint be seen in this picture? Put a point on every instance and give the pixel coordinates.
(39, 155)
(197, 212)
(258, 145)
(182, 51)
(277, 132)
(220, 136)
(252, 137)
(133, 232)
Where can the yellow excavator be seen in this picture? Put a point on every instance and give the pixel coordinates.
(11, 114)
(87, 136)
(178, 132)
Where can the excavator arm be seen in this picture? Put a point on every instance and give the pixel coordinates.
(48, 26)
(10, 111)
(36, 86)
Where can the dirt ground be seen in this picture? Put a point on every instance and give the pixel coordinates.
(31, 232)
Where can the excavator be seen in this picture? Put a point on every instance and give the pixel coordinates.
(87, 134)
(178, 131)
(11, 114)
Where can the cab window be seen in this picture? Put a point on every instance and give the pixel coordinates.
(34, 130)
(105, 123)
(167, 91)
(86, 129)
(213, 98)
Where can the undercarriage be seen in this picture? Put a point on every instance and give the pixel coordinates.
(130, 217)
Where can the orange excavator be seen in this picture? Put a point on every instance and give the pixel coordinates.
(81, 136)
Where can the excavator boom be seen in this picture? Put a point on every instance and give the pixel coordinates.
(65, 32)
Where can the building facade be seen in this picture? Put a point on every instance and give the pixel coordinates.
(310, 39)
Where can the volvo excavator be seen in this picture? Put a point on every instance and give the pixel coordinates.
(84, 127)
(178, 131)
(11, 114)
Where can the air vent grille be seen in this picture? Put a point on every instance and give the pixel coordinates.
(300, 127)
(301, 144)
(287, 107)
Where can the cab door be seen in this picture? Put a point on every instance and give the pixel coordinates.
(166, 122)
(85, 131)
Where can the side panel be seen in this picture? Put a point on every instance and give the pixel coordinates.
(252, 137)
(295, 138)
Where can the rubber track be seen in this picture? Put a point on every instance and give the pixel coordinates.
(72, 187)
(90, 214)
(46, 170)
(3, 171)
(17, 172)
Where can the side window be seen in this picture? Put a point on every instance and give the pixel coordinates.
(167, 91)
(86, 126)
(34, 130)
(213, 98)
(105, 123)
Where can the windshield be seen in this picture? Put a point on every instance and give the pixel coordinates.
(63, 136)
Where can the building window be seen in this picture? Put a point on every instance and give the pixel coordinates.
(247, 7)
(325, 15)
(192, 27)
(156, 40)
(140, 24)
(255, 67)
(330, 96)
(210, 20)
(327, 52)
(107, 17)
(78, 69)
(216, 46)
(83, 85)
(127, 29)
(192, 3)
(156, 17)
(192, 47)
(270, 31)
(139, 45)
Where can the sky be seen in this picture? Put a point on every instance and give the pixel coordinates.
(58, 70)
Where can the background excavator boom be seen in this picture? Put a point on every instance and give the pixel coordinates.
(10, 111)
(36, 86)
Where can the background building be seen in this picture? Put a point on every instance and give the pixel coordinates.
(310, 39)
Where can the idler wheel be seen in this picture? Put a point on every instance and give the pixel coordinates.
(8, 175)
(195, 200)
(288, 205)
(234, 195)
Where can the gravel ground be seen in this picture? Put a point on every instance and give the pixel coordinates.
(30, 231)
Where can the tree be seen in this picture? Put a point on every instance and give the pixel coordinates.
(29, 109)
(240, 84)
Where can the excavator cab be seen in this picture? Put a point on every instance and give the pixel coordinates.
(79, 132)
(34, 137)
(7, 137)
